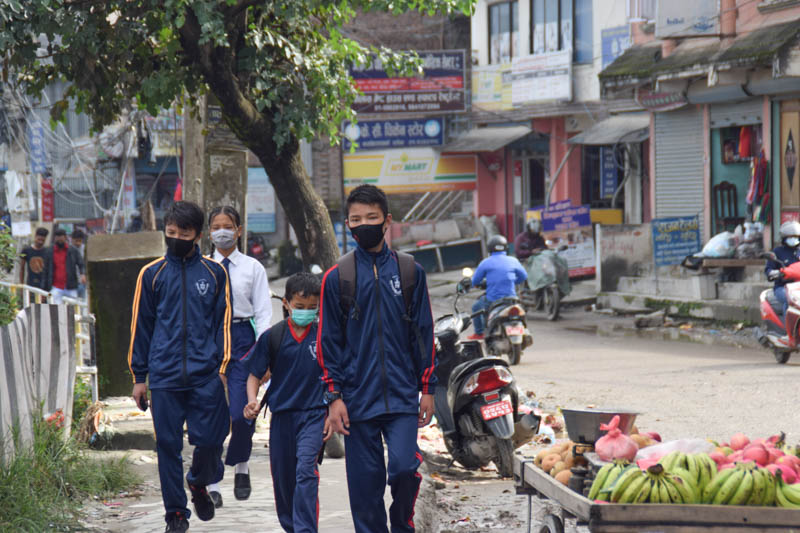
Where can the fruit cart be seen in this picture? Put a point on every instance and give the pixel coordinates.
(606, 518)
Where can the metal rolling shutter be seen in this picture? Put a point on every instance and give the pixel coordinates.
(679, 164)
(739, 114)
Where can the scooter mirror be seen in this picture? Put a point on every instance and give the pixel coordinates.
(467, 272)
(769, 255)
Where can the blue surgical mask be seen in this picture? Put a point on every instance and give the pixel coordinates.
(303, 317)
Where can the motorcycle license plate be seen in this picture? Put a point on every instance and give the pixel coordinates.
(495, 410)
(515, 330)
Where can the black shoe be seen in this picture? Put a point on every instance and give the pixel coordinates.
(241, 486)
(176, 523)
(203, 506)
(216, 497)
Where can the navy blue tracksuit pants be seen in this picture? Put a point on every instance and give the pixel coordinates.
(206, 414)
(366, 472)
(295, 439)
(241, 443)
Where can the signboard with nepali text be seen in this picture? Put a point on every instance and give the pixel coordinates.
(542, 77)
(410, 170)
(260, 202)
(440, 89)
(379, 134)
(491, 87)
(565, 224)
(674, 238)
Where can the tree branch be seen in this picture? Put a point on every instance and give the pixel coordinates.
(240, 6)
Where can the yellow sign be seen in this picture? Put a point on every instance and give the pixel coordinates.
(410, 170)
(491, 87)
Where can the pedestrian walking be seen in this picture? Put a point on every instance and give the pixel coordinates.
(64, 266)
(288, 352)
(252, 313)
(182, 300)
(375, 347)
(78, 239)
(34, 261)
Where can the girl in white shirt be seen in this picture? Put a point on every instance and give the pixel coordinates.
(252, 312)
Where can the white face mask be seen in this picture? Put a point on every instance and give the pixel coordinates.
(224, 239)
(792, 242)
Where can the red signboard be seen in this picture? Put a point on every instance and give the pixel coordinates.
(48, 200)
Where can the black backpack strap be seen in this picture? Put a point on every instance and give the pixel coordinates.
(408, 282)
(347, 285)
(275, 336)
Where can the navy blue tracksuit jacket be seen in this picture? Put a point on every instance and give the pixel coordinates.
(298, 417)
(180, 340)
(373, 358)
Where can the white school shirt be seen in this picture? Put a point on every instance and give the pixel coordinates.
(250, 289)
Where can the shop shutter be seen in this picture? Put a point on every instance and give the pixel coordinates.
(739, 114)
(679, 187)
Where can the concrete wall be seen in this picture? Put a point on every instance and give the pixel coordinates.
(622, 250)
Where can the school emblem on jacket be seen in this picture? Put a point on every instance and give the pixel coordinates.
(202, 286)
(313, 349)
(395, 284)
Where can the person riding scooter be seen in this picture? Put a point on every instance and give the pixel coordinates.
(530, 240)
(502, 274)
(786, 254)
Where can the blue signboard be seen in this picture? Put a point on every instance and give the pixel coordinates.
(674, 238)
(379, 134)
(38, 153)
(260, 202)
(614, 41)
(608, 172)
(566, 219)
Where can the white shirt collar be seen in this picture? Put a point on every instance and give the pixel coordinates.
(234, 257)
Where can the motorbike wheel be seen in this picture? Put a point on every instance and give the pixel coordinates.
(552, 524)
(781, 356)
(515, 355)
(334, 448)
(505, 457)
(552, 302)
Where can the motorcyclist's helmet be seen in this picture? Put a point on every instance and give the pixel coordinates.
(790, 233)
(534, 226)
(498, 243)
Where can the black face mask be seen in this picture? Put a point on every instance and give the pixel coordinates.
(61, 244)
(179, 247)
(368, 236)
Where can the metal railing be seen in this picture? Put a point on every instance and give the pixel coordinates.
(85, 353)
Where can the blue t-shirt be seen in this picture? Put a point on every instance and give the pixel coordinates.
(502, 273)
(295, 384)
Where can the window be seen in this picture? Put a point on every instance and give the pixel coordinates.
(641, 10)
(503, 32)
(562, 25)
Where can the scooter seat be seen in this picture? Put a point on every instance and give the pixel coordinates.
(503, 302)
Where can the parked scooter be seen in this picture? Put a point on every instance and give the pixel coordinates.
(548, 282)
(782, 337)
(476, 402)
(507, 332)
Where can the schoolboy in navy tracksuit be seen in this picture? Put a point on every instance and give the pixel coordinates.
(296, 402)
(181, 301)
(375, 370)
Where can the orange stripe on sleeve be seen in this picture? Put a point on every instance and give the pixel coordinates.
(226, 355)
(135, 313)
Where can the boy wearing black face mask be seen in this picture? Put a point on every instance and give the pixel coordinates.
(182, 300)
(378, 368)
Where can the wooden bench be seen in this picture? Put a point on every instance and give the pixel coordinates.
(731, 263)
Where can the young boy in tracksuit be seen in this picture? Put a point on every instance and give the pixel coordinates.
(375, 366)
(295, 400)
(182, 300)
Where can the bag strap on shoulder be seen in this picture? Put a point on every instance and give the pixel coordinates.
(275, 336)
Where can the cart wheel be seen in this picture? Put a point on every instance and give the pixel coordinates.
(781, 356)
(552, 524)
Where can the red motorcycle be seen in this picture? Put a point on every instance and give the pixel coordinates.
(782, 338)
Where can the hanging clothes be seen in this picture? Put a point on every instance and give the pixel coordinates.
(745, 142)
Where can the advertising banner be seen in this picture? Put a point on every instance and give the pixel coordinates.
(48, 200)
(379, 134)
(260, 202)
(38, 152)
(614, 41)
(674, 238)
(491, 87)
(608, 172)
(687, 18)
(571, 226)
(542, 77)
(440, 89)
(411, 170)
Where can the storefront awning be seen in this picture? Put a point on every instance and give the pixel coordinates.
(486, 139)
(627, 128)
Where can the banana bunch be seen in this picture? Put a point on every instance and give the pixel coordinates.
(697, 468)
(661, 486)
(744, 484)
(787, 495)
(605, 478)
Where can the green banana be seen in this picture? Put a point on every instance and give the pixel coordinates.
(792, 493)
(600, 480)
(710, 490)
(693, 467)
(655, 493)
(644, 493)
(708, 469)
(744, 490)
(614, 474)
(772, 487)
(663, 491)
(623, 481)
(633, 490)
(669, 460)
(684, 488)
(781, 499)
(727, 490)
(675, 496)
(759, 488)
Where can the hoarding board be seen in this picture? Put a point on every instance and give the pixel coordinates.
(687, 18)
(379, 134)
(541, 77)
(491, 87)
(674, 238)
(613, 42)
(570, 226)
(260, 202)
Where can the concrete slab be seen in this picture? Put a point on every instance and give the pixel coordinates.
(723, 310)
